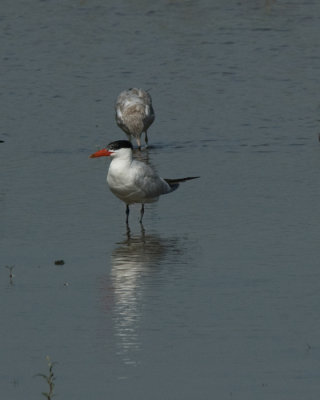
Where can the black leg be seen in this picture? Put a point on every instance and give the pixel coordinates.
(127, 214)
(146, 138)
(141, 213)
(128, 233)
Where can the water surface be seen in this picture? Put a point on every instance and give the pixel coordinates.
(216, 295)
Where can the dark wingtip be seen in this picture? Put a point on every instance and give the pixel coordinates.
(178, 180)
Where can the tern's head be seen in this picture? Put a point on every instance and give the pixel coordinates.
(122, 148)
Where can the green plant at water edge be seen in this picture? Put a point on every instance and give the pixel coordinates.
(50, 378)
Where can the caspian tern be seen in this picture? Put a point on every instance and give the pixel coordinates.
(134, 181)
(134, 113)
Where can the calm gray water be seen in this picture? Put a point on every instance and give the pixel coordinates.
(217, 295)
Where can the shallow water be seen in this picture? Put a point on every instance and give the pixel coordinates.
(216, 295)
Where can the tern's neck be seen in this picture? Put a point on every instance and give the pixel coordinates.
(123, 158)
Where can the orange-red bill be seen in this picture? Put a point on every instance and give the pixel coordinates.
(101, 153)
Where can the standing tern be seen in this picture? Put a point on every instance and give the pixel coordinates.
(133, 181)
(134, 113)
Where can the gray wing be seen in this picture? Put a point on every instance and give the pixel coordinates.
(149, 182)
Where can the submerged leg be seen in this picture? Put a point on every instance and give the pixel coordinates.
(141, 212)
(127, 214)
(146, 138)
(129, 137)
(139, 142)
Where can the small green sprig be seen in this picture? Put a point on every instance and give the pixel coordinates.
(50, 378)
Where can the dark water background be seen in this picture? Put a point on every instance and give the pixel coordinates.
(217, 296)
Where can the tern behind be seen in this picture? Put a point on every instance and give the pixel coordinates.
(134, 113)
(133, 181)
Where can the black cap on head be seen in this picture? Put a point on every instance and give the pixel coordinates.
(119, 144)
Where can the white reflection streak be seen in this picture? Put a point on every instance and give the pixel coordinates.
(131, 261)
(124, 277)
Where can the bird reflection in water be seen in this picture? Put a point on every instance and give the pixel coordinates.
(136, 263)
